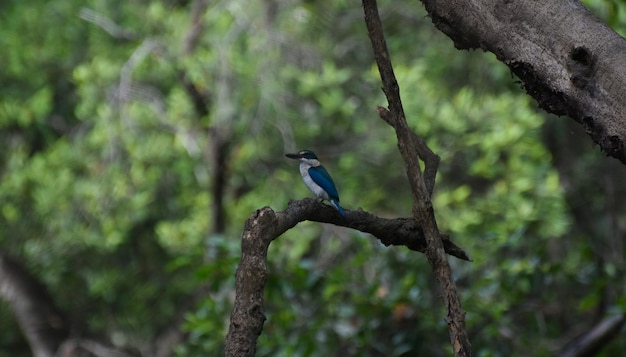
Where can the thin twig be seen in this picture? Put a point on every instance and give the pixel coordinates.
(106, 24)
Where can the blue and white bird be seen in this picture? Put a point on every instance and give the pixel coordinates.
(316, 178)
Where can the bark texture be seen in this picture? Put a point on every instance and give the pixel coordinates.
(566, 58)
(265, 225)
(412, 148)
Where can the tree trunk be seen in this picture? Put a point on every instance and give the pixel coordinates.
(566, 58)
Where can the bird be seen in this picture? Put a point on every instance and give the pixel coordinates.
(316, 178)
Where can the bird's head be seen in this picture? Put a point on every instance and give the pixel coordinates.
(306, 156)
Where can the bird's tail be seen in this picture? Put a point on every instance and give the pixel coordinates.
(338, 207)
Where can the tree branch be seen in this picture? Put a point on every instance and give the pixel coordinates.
(265, 225)
(40, 320)
(408, 145)
(566, 58)
(108, 25)
(398, 231)
(43, 324)
(431, 160)
(591, 342)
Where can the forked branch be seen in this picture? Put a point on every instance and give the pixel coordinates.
(409, 144)
(265, 225)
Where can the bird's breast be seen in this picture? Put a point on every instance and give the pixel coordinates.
(317, 190)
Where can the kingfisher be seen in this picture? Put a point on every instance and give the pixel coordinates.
(316, 178)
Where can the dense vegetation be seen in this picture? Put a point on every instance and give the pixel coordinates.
(138, 136)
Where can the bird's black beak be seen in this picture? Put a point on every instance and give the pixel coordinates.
(294, 156)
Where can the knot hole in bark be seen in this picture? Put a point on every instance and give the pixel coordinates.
(581, 56)
(581, 66)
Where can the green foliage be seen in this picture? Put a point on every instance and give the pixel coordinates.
(611, 11)
(108, 176)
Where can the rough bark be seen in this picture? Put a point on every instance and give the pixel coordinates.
(265, 225)
(411, 147)
(565, 57)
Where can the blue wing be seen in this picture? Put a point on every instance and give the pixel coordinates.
(322, 178)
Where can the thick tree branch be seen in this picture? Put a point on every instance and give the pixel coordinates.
(409, 144)
(398, 231)
(265, 225)
(567, 59)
